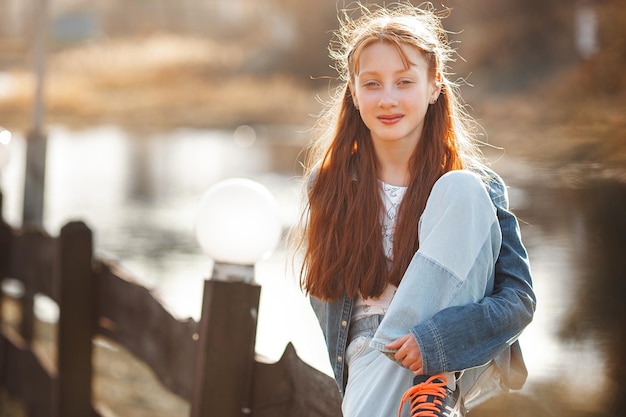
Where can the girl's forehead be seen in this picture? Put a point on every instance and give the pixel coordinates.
(382, 53)
(401, 48)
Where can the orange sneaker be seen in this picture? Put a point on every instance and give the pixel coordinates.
(431, 397)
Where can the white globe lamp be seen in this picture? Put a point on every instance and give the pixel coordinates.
(237, 225)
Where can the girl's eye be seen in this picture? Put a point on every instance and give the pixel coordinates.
(370, 84)
(405, 82)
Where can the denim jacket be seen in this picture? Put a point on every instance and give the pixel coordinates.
(487, 329)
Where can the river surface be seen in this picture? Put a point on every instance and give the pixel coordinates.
(139, 193)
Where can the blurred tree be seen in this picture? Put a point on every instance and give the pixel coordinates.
(314, 22)
(517, 43)
(605, 73)
(513, 43)
(602, 289)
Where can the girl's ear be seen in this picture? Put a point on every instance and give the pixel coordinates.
(437, 86)
(354, 98)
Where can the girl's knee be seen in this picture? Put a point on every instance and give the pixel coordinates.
(462, 184)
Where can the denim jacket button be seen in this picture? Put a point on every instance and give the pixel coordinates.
(344, 323)
(339, 359)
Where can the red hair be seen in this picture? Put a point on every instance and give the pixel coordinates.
(340, 230)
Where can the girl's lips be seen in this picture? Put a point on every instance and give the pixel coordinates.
(394, 118)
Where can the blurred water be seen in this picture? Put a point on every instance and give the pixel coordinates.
(139, 194)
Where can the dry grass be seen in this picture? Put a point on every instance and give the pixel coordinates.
(158, 82)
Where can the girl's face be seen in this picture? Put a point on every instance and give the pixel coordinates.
(392, 99)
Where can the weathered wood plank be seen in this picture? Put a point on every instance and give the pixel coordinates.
(24, 376)
(6, 244)
(290, 387)
(130, 315)
(32, 261)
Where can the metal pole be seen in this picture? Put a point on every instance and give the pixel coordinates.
(36, 138)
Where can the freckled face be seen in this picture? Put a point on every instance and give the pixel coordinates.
(393, 99)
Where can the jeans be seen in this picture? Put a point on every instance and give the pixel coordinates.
(459, 242)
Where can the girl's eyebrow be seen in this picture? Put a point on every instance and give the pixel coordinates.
(374, 73)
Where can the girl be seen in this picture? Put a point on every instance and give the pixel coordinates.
(414, 266)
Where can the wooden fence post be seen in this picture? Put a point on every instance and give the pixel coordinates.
(5, 257)
(6, 237)
(76, 321)
(225, 354)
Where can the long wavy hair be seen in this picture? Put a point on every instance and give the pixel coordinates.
(339, 233)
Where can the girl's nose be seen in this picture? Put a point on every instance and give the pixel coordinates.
(387, 99)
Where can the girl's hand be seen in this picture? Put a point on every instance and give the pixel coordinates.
(408, 353)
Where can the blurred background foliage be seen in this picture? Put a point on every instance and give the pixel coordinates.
(512, 44)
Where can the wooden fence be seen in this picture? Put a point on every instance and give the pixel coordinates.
(95, 298)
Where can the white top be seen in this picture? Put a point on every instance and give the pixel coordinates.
(392, 197)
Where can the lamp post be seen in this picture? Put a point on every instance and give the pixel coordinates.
(36, 142)
(237, 225)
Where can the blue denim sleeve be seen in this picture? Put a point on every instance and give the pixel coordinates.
(462, 337)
